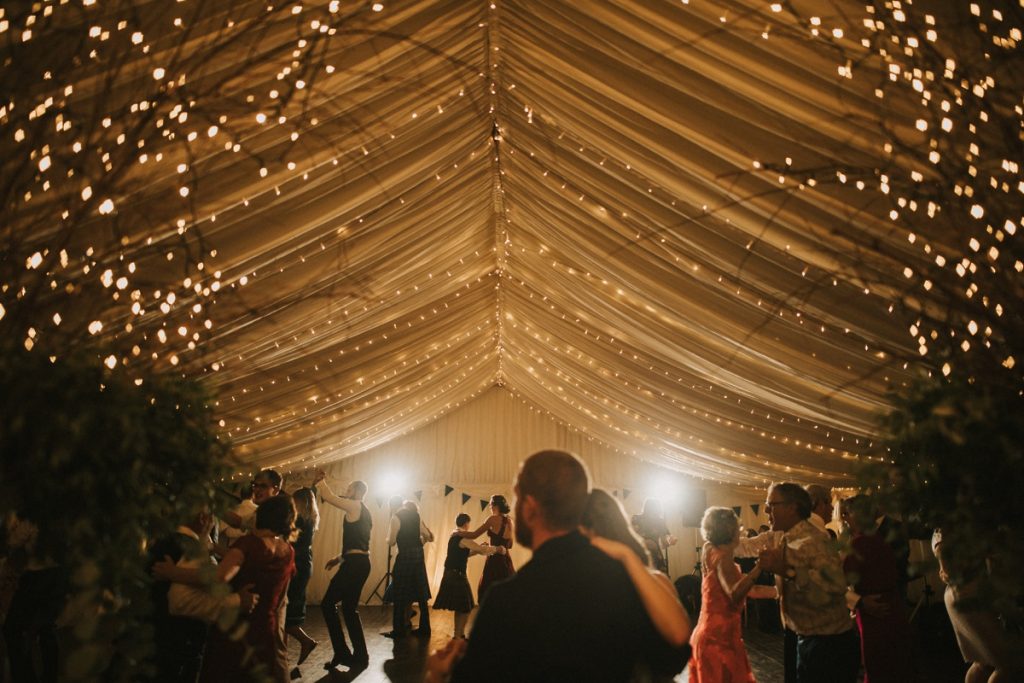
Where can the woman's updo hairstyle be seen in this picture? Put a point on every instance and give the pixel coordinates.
(719, 525)
(499, 502)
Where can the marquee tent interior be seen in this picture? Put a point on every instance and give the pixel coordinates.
(448, 233)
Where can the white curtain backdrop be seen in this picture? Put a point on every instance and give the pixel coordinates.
(476, 449)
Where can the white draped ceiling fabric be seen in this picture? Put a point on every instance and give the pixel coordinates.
(562, 200)
(559, 199)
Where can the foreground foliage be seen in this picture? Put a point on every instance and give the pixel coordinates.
(100, 464)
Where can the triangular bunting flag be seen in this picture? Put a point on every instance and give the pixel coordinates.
(625, 493)
(380, 501)
(418, 494)
(465, 498)
(615, 493)
(756, 508)
(483, 505)
(737, 509)
(448, 489)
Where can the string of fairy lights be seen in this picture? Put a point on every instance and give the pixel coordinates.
(648, 427)
(289, 359)
(314, 454)
(179, 113)
(960, 168)
(627, 378)
(365, 383)
(500, 316)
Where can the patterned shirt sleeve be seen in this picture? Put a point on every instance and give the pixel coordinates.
(819, 571)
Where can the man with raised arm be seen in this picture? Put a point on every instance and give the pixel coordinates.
(347, 585)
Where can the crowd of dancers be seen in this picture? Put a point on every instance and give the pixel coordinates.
(594, 603)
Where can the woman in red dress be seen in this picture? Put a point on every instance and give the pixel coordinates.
(266, 560)
(499, 533)
(719, 655)
(885, 637)
(263, 561)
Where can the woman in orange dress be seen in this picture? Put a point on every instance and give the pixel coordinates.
(719, 655)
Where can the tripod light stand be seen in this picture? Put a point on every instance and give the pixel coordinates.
(380, 590)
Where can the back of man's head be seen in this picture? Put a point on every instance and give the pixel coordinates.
(559, 483)
(821, 496)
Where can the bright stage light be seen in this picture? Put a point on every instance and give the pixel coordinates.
(390, 484)
(666, 489)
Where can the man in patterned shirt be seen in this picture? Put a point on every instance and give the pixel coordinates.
(813, 593)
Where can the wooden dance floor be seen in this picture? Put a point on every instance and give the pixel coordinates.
(404, 661)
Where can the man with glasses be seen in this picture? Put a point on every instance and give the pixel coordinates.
(265, 486)
(813, 590)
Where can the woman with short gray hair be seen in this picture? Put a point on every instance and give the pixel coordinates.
(718, 650)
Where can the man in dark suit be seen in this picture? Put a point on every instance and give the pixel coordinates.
(571, 613)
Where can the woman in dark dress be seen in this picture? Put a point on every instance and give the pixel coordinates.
(499, 533)
(885, 636)
(455, 593)
(307, 520)
(409, 577)
(650, 526)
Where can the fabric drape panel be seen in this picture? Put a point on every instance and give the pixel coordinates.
(556, 198)
(477, 449)
(608, 258)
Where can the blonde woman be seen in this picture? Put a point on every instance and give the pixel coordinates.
(307, 521)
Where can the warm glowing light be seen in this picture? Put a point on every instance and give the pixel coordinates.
(390, 483)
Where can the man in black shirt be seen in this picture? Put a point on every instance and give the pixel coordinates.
(571, 613)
